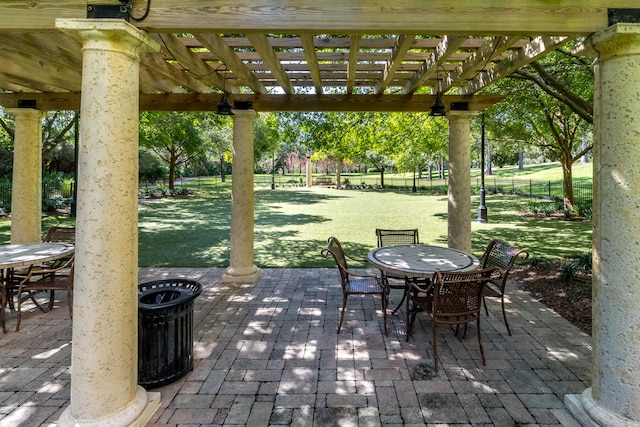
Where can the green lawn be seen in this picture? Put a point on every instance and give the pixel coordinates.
(292, 224)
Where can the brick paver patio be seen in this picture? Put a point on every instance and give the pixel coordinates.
(268, 354)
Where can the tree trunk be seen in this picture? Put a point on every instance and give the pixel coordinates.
(338, 172)
(172, 172)
(567, 183)
(520, 158)
(223, 177)
(382, 177)
(488, 170)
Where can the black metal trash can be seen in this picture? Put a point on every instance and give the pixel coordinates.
(165, 330)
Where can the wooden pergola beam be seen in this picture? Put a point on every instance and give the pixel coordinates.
(338, 16)
(272, 103)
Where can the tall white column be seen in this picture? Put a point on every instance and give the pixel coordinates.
(104, 368)
(26, 188)
(614, 396)
(459, 209)
(241, 268)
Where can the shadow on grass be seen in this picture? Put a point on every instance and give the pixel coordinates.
(544, 237)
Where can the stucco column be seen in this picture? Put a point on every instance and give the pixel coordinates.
(614, 396)
(26, 187)
(104, 367)
(241, 268)
(459, 209)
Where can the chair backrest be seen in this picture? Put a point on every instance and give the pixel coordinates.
(61, 234)
(457, 296)
(335, 249)
(499, 254)
(397, 237)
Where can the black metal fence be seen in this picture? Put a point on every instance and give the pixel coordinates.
(550, 190)
(52, 194)
(582, 191)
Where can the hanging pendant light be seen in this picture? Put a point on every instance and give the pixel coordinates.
(224, 107)
(437, 109)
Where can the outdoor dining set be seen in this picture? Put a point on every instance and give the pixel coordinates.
(30, 270)
(449, 285)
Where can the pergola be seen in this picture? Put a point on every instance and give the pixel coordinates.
(110, 59)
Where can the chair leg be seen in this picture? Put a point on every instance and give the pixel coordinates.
(411, 318)
(504, 314)
(344, 306)
(2, 313)
(70, 303)
(484, 361)
(384, 312)
(435, 345)
(19, 310)
(484, 301)
(51, 299)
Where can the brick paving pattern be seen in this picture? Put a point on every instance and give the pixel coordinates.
(268, 355)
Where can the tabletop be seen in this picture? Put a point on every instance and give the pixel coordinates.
(421, 260)
(27, 254)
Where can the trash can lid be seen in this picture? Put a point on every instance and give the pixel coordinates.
(167, 293)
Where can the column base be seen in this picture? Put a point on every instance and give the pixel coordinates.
(136, 414)
(587, 411)
(241, 275)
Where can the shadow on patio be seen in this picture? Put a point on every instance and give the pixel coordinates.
(268, 354)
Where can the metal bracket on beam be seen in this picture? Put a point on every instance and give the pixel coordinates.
(27, 103)
(459, 106)
(242, 105)
(101, 11)
(629, 16)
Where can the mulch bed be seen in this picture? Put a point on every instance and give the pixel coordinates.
(569, 298)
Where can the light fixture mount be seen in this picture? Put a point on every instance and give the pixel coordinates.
(224, 107)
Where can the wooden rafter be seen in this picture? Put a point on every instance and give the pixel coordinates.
(400, 49)
(354, 48)
(309, 47)
(477, 60)
(443, 50)
(519, 59)
(263, 47)
(218, 47)
(190, 61)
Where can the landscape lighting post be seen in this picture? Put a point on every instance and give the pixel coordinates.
(482, 209)
(273, 171)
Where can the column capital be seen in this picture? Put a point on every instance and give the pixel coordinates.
(108, 34)
(244, 114)
(27, 113)
(617, 40)
(461, 114)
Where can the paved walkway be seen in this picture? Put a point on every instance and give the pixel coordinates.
(269, 354)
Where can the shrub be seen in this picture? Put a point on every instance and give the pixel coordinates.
(535, 260)
(584, 209)
(585, 261)
(568, 271)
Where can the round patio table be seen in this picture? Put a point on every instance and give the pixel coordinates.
(23, 256)
(421, 261)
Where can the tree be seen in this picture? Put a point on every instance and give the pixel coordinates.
(218, 131)
(550, 106)
(57, 138)
(175, 137)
